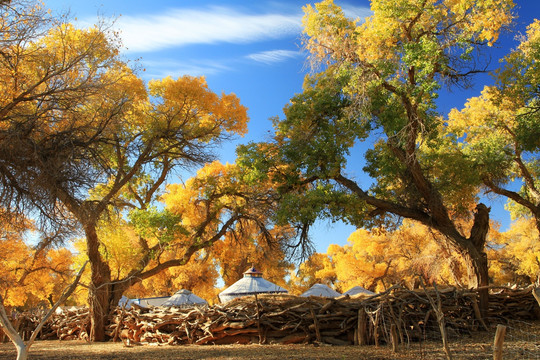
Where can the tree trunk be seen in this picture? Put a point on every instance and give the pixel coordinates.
(99, 293)
(477, 271)
(476, 257)
(22, 351)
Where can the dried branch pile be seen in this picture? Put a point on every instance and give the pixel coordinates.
(398, 315)
(71, 324)
(265, 319)
(513, 304)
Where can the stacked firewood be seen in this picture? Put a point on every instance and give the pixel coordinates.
(26, 322)
(70, 324)
(396, 315)
(515, 304)
(264, 319)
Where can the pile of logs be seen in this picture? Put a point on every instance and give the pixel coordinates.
(397, 315)
(516, 304)
(70, 324)
(262, 319)
(24, 323)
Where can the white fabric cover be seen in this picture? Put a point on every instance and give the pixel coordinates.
(184, 298)
(321, 290)
(358, 290)
(249, 285)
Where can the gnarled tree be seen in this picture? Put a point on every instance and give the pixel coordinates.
(379, 81)
(81, 134)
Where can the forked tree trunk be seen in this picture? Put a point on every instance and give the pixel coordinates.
(474, 254)
(22, 350)
(104, 294)
(477, 271)
(100, 286)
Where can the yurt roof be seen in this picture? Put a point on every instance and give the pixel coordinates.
(184, 297)
(358, 290)
(252, 283)
(321, 290)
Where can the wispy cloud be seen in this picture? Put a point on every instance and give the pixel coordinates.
(274, 56)
(356, 12)
(157, 69)
(180, 27)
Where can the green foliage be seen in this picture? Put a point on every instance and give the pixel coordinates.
(500, 130)
(159, 224)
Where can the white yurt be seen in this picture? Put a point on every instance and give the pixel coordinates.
(321, 290)
(252, 283)
(126, 302)
(150, 301)
(184, 298)
(358, 290)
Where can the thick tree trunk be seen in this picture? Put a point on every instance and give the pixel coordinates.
(473, 250)
(477, 271)
(100, 286)
(104, 294)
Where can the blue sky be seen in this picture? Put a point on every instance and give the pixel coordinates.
(250, 48)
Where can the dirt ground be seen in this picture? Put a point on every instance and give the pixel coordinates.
(522, 342)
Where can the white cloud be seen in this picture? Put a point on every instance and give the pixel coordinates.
(273, 56)
(163, 68)
(177, 28)
(356, 12)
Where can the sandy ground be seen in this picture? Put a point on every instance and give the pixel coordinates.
(81, 350)
(522, 342)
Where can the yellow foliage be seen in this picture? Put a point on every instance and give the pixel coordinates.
(317, 269)
(189, 102)
(379, 258)
(28, 277)
(393, 24)
(515, 256)
(238, 252)
(198, 276)
(483, 118)
(182, 199)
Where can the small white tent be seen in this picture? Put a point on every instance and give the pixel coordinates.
(321, 290)
(252, 283)
(126, 302)
(358, 290)
(184, 298)
(150, 301)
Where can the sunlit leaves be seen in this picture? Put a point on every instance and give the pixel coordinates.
(160, 225)
(234, 254)
(517, 252)
(199, 276)
(31, 275)
(498, 131)
(189, 104)
(380, 258)
(426, 37)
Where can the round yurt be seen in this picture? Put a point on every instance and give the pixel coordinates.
(322, 291)
(252, 283)
(358, 290)
(184, 298)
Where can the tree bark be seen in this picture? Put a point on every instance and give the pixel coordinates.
(100, 285)
(477, 271)
(476, 259)
(472, 249)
